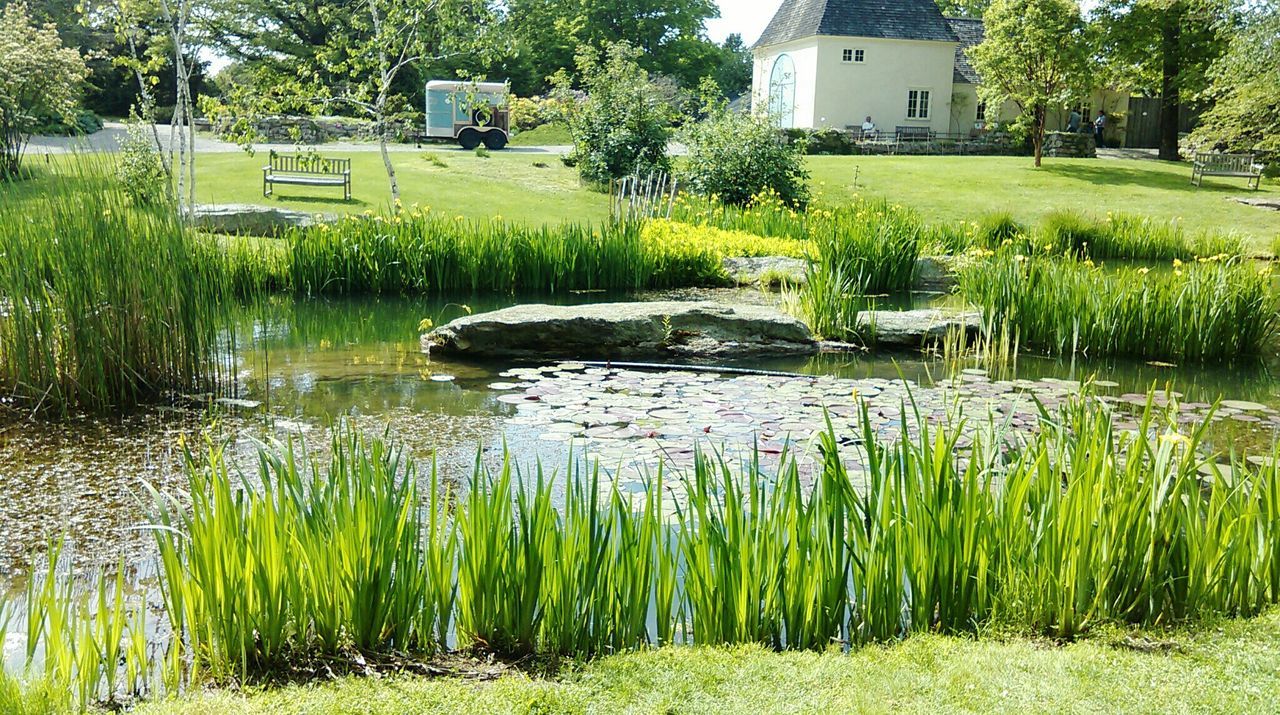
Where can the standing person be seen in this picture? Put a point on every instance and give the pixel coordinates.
(1073, 121)
(868, 128)
(1100, 127)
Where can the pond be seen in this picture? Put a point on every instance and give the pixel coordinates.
(301, 365)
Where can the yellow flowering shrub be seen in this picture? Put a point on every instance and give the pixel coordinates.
(679, 237)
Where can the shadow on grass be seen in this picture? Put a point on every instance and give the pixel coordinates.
(278, 197)
(1110, 174)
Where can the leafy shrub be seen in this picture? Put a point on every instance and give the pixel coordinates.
(726, 244)
(623, 125)
(735, 157)
(81, 122)
(139, 166)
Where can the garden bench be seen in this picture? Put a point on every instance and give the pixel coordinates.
(1244, 166)
(914, 134)
(303, 170)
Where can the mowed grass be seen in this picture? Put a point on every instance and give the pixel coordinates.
(538, 188)
(960, 188)
(523, 186)
(1232, 666)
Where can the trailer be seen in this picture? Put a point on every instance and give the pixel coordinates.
(471, 113)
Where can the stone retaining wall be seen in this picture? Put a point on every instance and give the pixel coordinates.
(313, 130)
(1070, 146)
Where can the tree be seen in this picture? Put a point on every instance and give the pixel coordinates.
(38, 76)
(1245, 87)
(360, 68)
(1035, 55)
(963, 8)
(670, 35)
(733, 76)
(623, 125)
(1163, 48)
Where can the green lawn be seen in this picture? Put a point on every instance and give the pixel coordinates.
(539, 188)
(952, 189)
(522, 186)
(1234, 667)
(545, 135)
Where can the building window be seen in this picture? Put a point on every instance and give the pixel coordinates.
(852, 55)
(918, 104)
(982, 111)
(859, 55)
(782, 92)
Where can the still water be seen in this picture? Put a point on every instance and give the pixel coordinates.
(301, 365)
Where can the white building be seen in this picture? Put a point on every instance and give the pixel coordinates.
(832, 63)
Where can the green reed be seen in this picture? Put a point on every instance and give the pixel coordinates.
(955, 527)
(103, 304)
(314, 560)
(1128, 236)
(85, 641)
(423, 252)
(1202, 311)
(864, 250)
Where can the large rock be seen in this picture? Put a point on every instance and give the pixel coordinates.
(253, 220)
(915, 328)
(769, 270)
(624, 330)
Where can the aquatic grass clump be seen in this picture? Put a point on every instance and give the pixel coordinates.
(1209, 310)
(1129, 237)
(865, 250)
(1055, 531)
(313, 561)
(104, 304)
(423, 252)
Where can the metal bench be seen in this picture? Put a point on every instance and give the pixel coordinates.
(303, 170)
(1243, 166)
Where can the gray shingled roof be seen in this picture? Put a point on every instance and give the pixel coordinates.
(970, 33)
(885, 19)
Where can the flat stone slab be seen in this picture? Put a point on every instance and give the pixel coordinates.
(768, 269)
(1273, 204)
(624, 330)
(254, 220)
(915, 328)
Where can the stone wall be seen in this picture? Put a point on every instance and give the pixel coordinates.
(1070, 146)
(313, 130)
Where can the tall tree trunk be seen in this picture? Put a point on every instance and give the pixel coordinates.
(391, 170)
(1037, 134)
(1170, 93)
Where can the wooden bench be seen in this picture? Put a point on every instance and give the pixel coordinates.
(914, 134)
(1244, 166)
(303, 170)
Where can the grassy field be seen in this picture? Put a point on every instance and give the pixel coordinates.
(1229, 667)
(537, 188)
(951, 189)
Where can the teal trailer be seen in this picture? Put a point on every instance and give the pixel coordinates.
(470, 113)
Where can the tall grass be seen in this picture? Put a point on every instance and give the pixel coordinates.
(862, 251)
(428, 253)
(103, 304)
(1053, 532)
(1204, 311)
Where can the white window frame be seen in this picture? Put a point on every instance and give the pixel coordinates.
(853, 55)
(914, 104)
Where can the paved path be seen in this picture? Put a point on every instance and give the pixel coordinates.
(108, 140)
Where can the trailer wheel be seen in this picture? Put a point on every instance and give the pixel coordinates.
(469, 139)
(495, 139)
